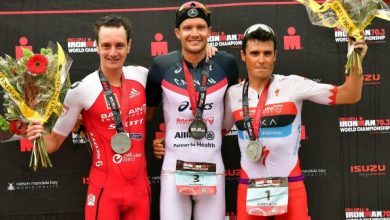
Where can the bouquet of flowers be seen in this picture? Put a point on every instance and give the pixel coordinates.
(35, 87)
(353, 16)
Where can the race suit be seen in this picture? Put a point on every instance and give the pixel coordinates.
(119, 186)
(166, 82)
(279, 135)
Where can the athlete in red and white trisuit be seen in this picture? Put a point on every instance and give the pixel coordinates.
(119, 186)
(279, 132)
(118, 182)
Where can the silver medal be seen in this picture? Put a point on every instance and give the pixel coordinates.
(121, 143)
(198, 129)
(254, 151)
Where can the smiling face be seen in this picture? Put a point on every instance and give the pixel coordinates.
(112, 47)
(260, 57)
(193, 34)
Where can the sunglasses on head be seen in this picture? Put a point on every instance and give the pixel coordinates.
(192, 4)
(256, 27)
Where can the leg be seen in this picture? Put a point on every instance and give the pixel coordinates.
(241, 205)
(140, 203)
(99, 206)
(297, 202)
(92, 202)
(211, 206)
(173, 205)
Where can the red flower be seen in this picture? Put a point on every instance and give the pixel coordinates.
(37, 64)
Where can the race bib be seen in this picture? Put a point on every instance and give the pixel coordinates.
(196, 178)
(267, 196)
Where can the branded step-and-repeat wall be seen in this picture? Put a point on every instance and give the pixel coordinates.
(344, 149)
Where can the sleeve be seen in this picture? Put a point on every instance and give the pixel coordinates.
(153, 85)
(70, 111)
(233, 73)
(137, 73)
(306, 89)
(228, 121)
(231, 69)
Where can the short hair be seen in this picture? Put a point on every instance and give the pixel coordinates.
(113, 21)
(259, 32)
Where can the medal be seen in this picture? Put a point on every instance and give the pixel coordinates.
(253, 125)
(121, 143)
(254, 151)
(198, 129)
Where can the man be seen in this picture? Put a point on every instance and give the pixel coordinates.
(192, 88)
(112, 103)
(266, 110)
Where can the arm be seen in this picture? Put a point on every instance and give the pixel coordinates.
(153, 90)
(351, 91)
(150, 113)
(63, 125)
(53, 141)
(153, 94)
(232, 76)
(228, 121)
(211, 51)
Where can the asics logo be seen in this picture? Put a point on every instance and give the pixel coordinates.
(184, 105)
(178, 70)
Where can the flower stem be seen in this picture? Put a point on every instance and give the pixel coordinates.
(39, 155)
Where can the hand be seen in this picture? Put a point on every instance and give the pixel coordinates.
(360, 47)
(158, 148)
(34, 130)
(211, 51)
(79, 128)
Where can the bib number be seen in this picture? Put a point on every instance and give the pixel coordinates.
(194, 178)
(267, 196)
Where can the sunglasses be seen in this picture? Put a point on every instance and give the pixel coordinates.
(256, 27)
(192, 4)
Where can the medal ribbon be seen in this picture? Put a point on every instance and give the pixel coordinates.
(113, 102)
(197, 110)
(253, 128)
